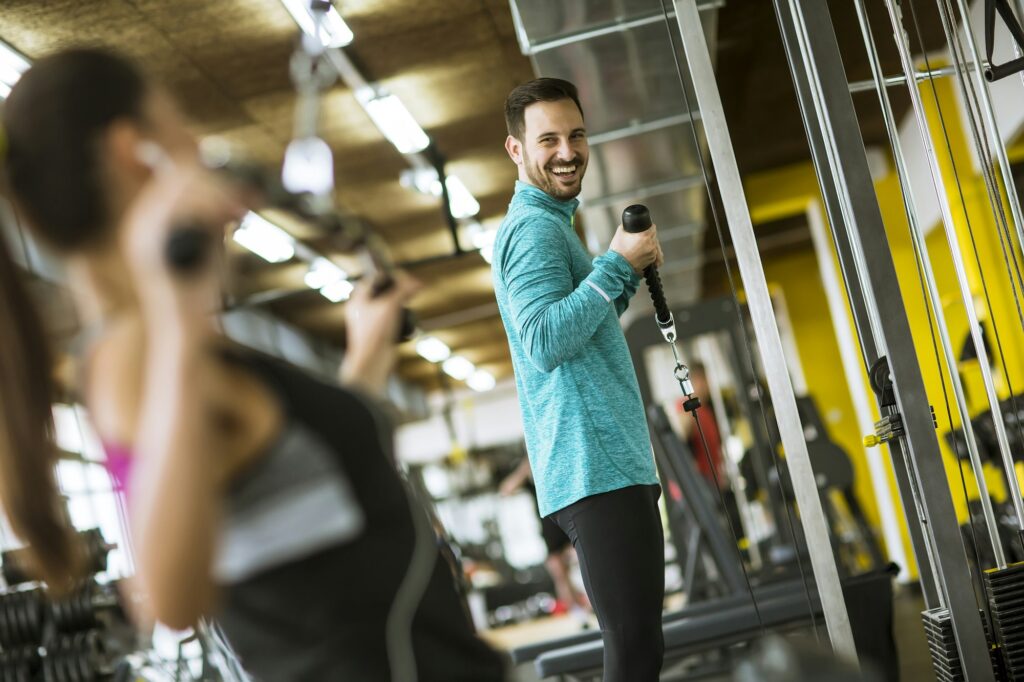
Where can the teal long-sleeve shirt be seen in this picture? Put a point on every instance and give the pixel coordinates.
(586, 432)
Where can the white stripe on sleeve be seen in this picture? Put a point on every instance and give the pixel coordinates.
(599, 290)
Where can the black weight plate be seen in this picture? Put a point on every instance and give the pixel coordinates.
(34, 610)
(6, 629)
(23, 628)
(86, 668)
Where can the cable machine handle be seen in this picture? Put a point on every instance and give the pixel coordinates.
(187, 248)
(637, 218)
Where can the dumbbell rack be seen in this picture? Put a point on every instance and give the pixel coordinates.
(60, 639)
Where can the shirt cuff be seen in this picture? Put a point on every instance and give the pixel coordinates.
(611, 272)
(619, 262)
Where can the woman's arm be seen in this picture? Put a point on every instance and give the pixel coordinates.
(371, 330)
(175, 499)
(515, 480)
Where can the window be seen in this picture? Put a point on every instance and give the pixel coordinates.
(93, 500)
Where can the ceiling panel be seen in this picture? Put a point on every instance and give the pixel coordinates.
(453, 62)
(639, 161)
(622, 78)
(544, 20)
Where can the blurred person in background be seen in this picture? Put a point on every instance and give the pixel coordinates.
(559, 559)
(257, 494)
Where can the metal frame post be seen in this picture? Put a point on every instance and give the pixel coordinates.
(766, 331)
(860, 396)
(960, 268)
(823, 91)
(917, 234)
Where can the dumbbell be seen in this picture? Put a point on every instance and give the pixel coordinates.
(75, 658)
(19, 664)
(15, 561)
(78, 610)
(21, 617)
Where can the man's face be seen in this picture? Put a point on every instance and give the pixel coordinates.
(553, 153)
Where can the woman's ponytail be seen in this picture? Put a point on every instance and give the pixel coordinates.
(28, 453)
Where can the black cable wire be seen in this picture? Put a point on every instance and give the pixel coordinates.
(725, 511)
(918, 260)
(932, 316)
(972, 100)
(1006, 244)
(970, 230)
(739, 316)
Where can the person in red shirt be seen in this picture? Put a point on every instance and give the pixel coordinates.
(707, 459)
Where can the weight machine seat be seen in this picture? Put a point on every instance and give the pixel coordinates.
(531, 651)
(725, 625)
(692, 633)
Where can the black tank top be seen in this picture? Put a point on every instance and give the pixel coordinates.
(312, 602)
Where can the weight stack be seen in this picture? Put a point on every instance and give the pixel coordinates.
(938, 628)
(1005, 587)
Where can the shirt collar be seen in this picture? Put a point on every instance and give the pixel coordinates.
(538, 197)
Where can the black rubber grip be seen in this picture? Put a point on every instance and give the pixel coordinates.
(187, 248)
(407, 329)
(637, 218)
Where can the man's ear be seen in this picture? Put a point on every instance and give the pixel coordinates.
(515, 150)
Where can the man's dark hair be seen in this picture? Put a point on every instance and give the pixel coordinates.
(537, 90)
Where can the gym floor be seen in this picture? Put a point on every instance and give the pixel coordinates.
(915, 665)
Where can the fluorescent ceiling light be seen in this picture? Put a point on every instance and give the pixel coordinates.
(462, 203)
(394, 121)
(12, 65)
(460, 200)
(323, 272)
(423, 180)
(265, 239)
(339, 291)
(482, 240)
(308, 166)
(458, 368)
(433, 349)
(481, 380)
(334, 32)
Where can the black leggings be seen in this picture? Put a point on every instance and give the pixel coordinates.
(621, 549)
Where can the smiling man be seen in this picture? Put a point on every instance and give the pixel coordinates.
(586, 433)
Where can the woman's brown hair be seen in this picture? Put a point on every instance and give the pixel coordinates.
(53, 121)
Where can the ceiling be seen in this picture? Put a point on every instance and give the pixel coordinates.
(451, 62)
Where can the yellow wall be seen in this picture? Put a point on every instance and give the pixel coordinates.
(796, 275)
(786, 192)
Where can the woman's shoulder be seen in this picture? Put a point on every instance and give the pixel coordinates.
(112, 380)
(115, 368)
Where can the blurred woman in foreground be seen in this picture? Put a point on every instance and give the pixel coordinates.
(258, 494)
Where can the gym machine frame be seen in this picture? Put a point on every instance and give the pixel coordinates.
(737, 217)
(865, 258)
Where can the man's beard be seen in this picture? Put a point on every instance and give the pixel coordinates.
(546, 180)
